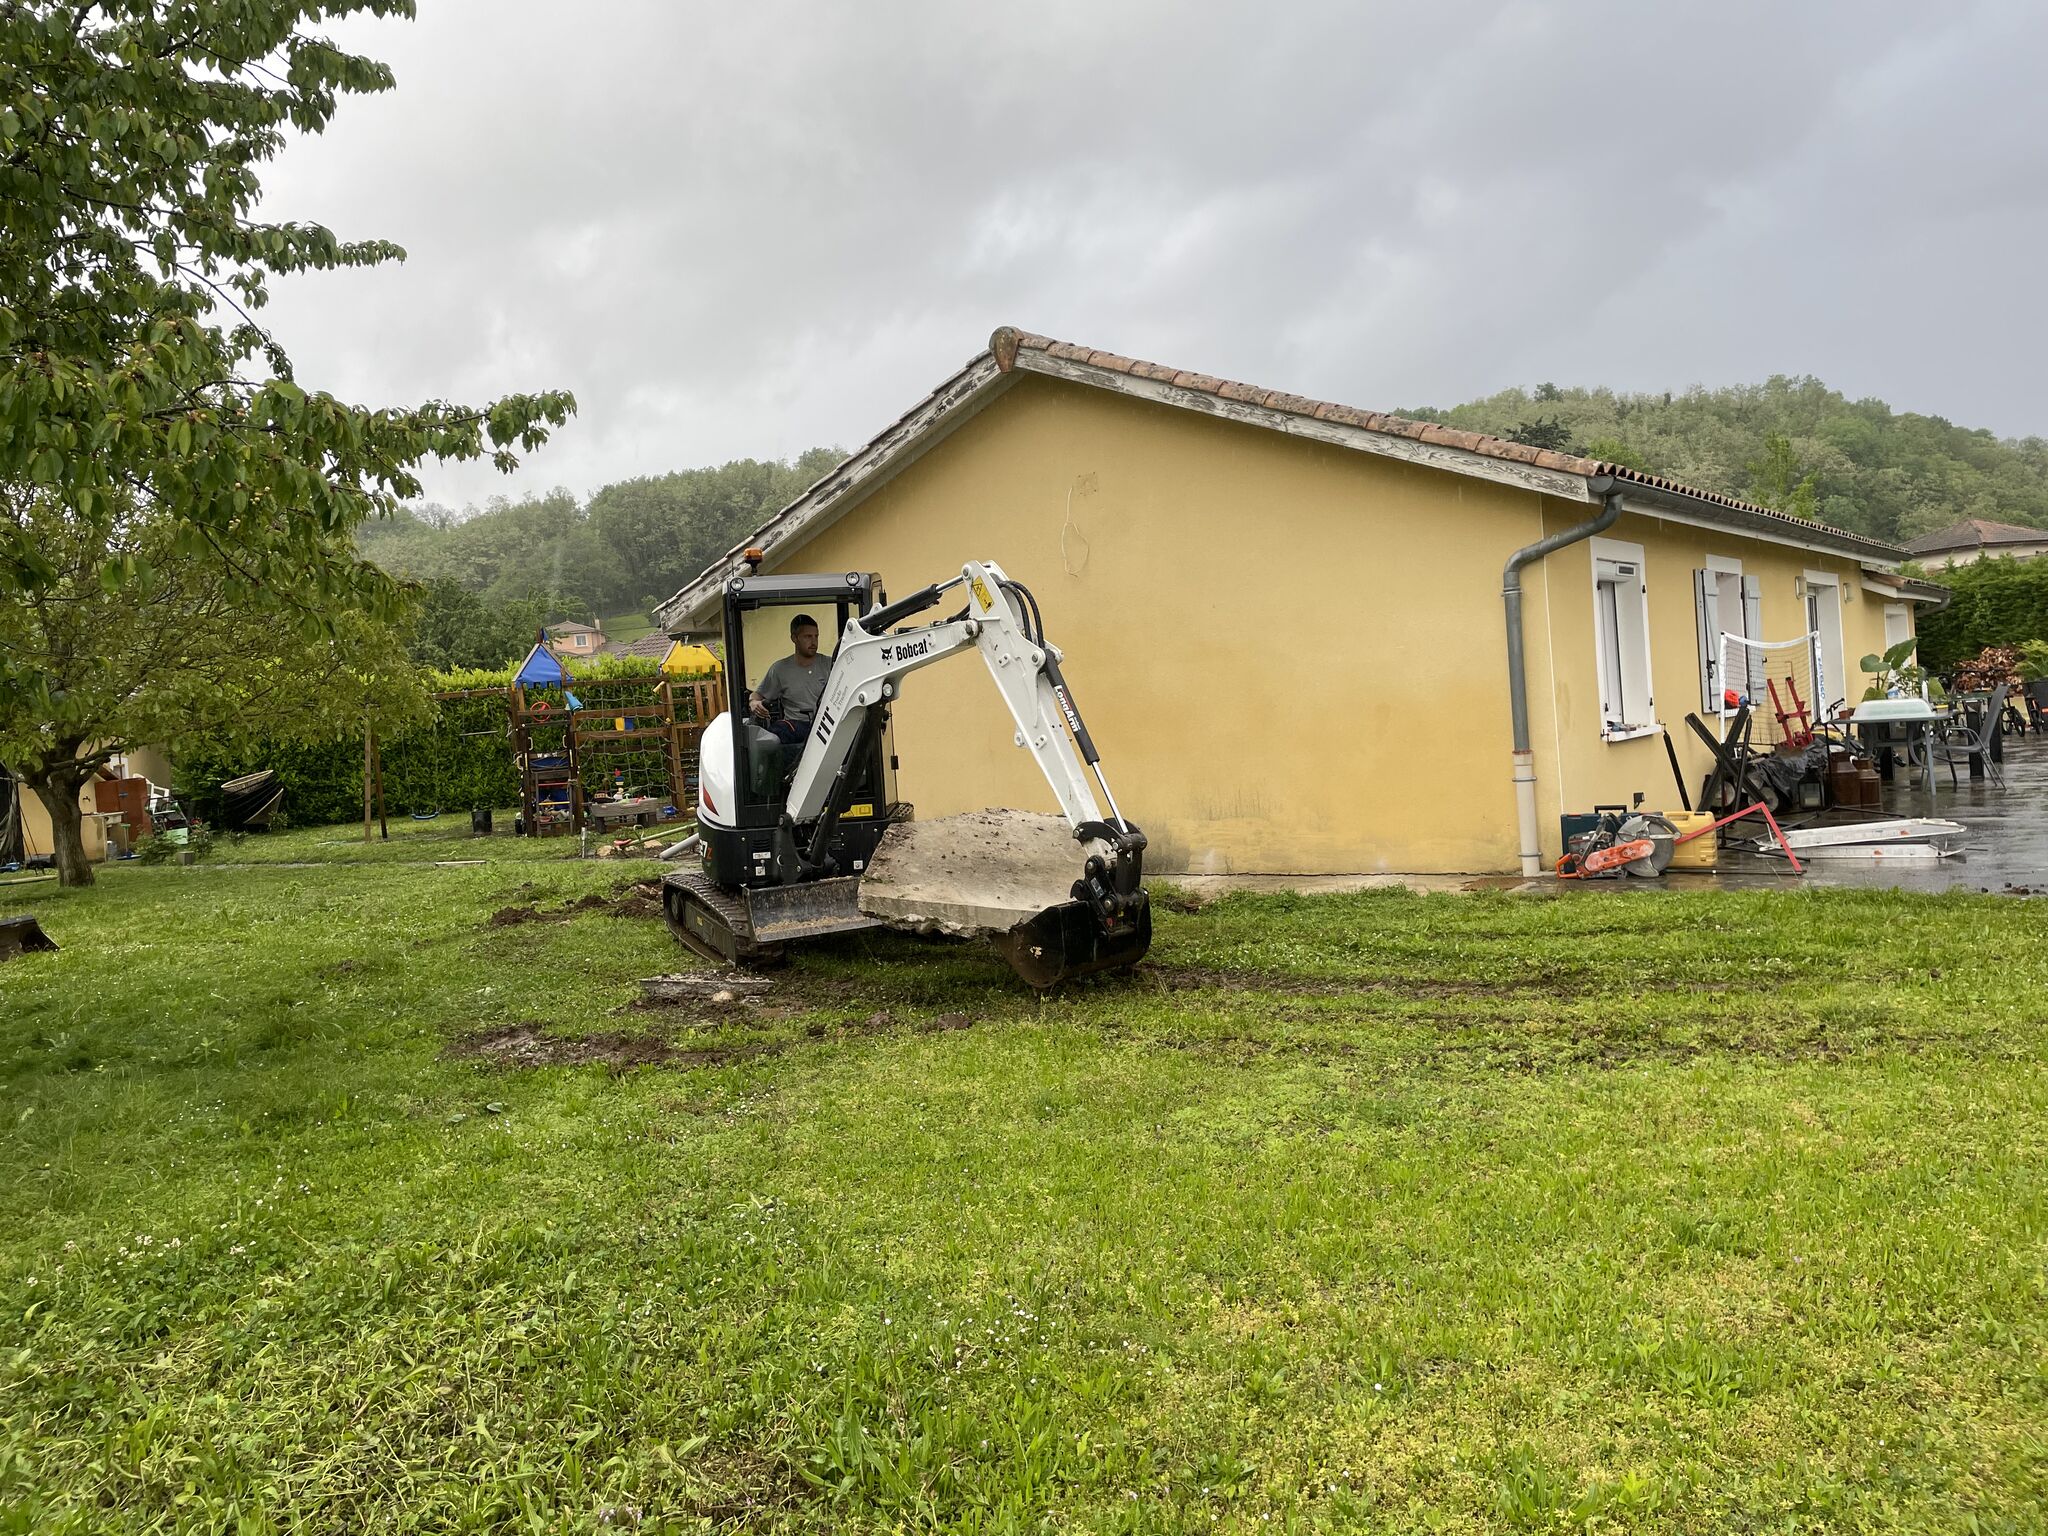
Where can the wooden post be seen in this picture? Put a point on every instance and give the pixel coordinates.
(377, 758)
(675, 751)
(522, 757)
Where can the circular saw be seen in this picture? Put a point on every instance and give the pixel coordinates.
(1655, 830)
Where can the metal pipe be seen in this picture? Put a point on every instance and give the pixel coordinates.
(1524, 775)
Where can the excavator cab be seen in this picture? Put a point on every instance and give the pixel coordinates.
(740, 837)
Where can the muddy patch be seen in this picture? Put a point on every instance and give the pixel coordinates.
(512, 917)
(529, 1045)
(642, 898)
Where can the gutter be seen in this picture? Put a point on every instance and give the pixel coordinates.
(1606, 488)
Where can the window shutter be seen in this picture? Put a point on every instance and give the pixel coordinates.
(1706, 601)
(1753, 627)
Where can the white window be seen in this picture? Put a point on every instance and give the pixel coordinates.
(1726, 602)
(1824, 618)
(1621, 635)
(1898, 624)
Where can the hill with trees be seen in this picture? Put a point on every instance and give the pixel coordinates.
(1789, 443)
(633, 543)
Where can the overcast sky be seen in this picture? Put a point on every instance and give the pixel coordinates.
(742, 230)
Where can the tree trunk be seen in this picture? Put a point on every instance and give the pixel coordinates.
(59, 793)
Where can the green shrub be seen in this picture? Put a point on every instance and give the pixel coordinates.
(1996, 602)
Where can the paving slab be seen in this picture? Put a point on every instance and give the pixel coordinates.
(981, 873)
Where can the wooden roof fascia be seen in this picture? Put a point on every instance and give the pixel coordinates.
(847, 485)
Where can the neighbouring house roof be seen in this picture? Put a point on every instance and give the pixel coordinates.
(653, 645)
(571, 627)
(1974, 533)
(1012, 352)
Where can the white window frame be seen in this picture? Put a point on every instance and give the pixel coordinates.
(1718, 617)
(1633, 691)
(1838, 654)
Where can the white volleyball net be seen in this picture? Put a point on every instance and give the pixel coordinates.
(1781, 682)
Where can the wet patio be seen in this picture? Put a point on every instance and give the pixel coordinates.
(2007, 850)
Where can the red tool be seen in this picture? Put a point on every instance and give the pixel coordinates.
(1803, 737)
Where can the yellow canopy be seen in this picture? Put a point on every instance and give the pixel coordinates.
(689, 661)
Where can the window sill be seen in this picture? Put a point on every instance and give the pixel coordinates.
(1613, 733)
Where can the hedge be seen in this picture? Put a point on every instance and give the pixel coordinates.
(1996, 602)
(462, 757)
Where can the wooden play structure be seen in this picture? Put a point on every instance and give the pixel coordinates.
(605, 751)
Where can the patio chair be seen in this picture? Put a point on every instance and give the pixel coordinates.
(1958, 743)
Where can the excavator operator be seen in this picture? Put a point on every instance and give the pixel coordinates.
(796, 682)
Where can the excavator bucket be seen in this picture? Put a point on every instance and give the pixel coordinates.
(1066, 941)
(1007, 876)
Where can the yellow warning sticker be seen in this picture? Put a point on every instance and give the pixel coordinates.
(981, 596)
(853, 812)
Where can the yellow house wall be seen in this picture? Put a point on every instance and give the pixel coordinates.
(1292, 656)
(36, 837)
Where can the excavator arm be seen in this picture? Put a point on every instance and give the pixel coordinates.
(999, 619)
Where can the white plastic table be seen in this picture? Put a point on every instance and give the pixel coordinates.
(1917, 715)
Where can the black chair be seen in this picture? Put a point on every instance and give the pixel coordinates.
(1960, 743)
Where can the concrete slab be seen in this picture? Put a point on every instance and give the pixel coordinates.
(981, 873)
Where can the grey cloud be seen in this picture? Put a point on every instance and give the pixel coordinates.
(745, 230)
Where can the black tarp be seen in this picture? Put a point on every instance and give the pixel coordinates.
(251, 800)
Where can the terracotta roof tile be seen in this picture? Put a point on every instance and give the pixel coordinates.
(1294, 405)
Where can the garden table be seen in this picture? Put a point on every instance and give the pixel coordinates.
(1874, 718)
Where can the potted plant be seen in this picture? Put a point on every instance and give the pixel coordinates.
(1898, 675)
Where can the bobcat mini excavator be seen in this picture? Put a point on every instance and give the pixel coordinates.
(786, 844)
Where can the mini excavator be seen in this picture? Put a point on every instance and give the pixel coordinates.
(786, 843)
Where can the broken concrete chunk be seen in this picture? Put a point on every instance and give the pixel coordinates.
(977, 874)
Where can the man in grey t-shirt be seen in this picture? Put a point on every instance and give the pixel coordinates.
(797, 682)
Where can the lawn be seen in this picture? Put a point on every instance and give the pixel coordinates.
(363, 1197)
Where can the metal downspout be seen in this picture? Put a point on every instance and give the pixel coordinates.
(1604, 487)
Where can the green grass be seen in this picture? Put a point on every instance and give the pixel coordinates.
(446, 838)
(1627, 1210)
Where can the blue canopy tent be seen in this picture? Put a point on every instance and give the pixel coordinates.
(542, 669)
